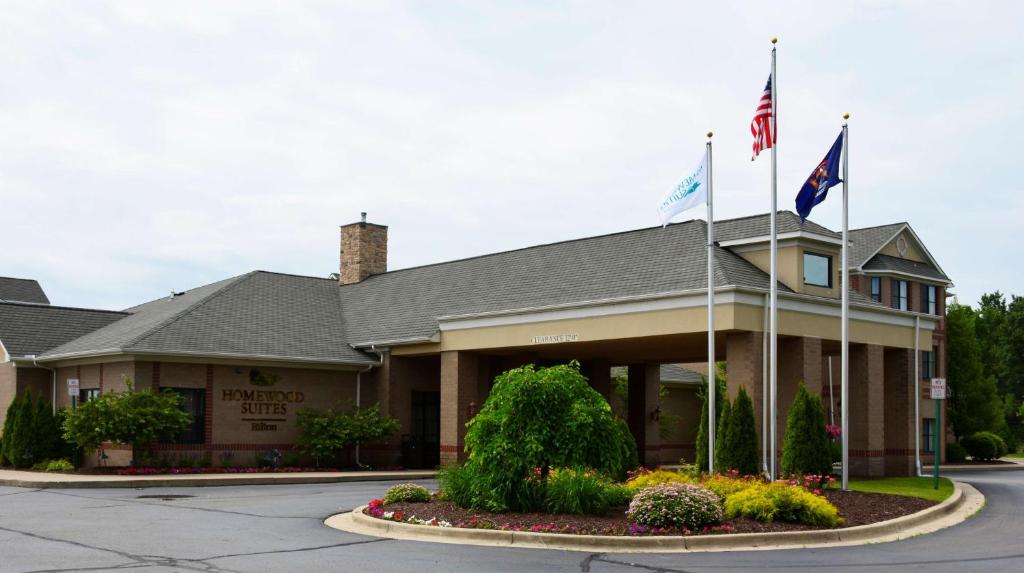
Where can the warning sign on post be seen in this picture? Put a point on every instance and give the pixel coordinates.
(938, 388)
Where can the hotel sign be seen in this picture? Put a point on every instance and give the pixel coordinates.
(554, 338)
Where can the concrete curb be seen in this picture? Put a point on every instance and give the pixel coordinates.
(965, 501)
(213, 480)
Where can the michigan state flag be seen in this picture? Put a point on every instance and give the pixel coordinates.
(691, 192)
(825, 175)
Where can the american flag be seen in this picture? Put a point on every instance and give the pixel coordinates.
(761, 126)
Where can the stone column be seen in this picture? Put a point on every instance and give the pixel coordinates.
(899, 412)
(867, 410)
(644, 401)
(460, 400)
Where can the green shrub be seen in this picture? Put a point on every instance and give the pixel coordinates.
(645, 479)
(406, 492)
(723, 456)
(7, 454)
(779, 501)
(535, 420)
(984, 446)
(955, 453)
(323, 434)
(721, 392)
(675, 505)
(579, 492)
(740, 439)
(618, 494)
(59, 466)
(140, 418)
(805, 447)
(32, 432)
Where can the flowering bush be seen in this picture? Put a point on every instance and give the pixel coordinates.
(814, 483)
(833, 431)
(645, 478)
(675, 505)
(406, 492)
(782, 501)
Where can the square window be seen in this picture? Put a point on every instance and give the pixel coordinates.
(87, 394)
(817, 270)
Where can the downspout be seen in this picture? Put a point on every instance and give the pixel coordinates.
(53, 380)
(359, 388)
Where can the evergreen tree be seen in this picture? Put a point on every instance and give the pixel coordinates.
(805, 447)
(21, 444)
(701, 460)
(8, 430)
(742, 444)
(974, 403)
(723, 455)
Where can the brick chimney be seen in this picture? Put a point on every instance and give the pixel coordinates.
(364, 251)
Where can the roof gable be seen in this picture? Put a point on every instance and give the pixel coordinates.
(894, 248)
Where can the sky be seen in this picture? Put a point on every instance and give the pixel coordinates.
(147, 147)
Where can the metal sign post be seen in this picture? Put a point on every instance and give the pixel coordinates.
(938, 394)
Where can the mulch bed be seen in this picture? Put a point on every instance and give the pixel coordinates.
(857, 508)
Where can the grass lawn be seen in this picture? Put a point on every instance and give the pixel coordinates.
(910, 486)
(1018, 455)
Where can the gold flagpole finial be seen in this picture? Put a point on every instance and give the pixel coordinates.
(775, 39)
(710, 134)
(846, 116)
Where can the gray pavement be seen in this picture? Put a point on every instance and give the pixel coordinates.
(279, 528)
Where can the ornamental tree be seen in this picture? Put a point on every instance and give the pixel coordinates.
(740, 440)
(532, 421)
(139, 418)
(323, 433)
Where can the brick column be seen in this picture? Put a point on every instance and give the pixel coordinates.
(744, 360)
(460, 400)
(867, 410)
(598, 373)
(799, 361)
(899, 412)
(644, 387)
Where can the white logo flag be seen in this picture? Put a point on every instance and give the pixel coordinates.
(691, 192)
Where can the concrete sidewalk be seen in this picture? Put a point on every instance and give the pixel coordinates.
(48, 480)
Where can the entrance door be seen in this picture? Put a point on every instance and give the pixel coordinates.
(425, 450)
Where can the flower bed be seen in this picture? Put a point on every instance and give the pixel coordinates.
(857, 508)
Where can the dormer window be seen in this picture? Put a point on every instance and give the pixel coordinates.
(817, 270)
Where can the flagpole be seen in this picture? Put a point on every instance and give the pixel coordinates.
(774, 289)
(712, 371)
(845, 376)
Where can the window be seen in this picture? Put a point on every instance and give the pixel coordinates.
(928, 299)
(876, 289)
(817, 270)
(87, 394)
(928, 436)
(928, 365)
(194, 403)
(899, 294)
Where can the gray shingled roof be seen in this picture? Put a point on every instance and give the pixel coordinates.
(22, 290)
(30, 329)
(760, 226)
(406, 303)
(895, 264)
(866, 242)
(258, 314)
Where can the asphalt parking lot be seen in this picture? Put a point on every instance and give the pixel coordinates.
(279, 528)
